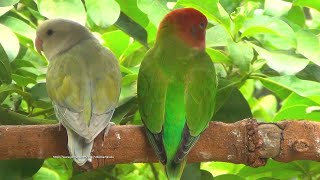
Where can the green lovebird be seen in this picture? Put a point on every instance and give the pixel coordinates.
(83, 82)
(177, 88)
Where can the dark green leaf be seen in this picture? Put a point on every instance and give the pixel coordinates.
(5, 69)
(19, 168)
(23, 81)
(133, 29)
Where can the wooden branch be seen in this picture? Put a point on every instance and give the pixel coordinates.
(246, 142)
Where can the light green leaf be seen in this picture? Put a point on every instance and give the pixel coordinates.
(308, 3)
(9, 42)
(254, 30)
(276, 7)
(296, 15)
(103, 13)
(55, 169)
(296, 107)
(308, 45)
(280, 35)
(218, 56)
(155, 10)
(19, 27)
(117, 41)
(4, 10)
(217, 36)
(23, 81)
(228, 177)
(284, 85)
(241, 54)
(130, 8)
(282, 63)
(68, 9)
(5, 68)
(5, 3)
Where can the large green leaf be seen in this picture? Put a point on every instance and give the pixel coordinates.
(309, 46)
(282, 63)
(132, 28)
(4, 10)
(218, 56)
(281, 8)
(192, 171)
(278, 170)
(55, 169)
(130, 8)
(117, 41)
(308, 3)
(5, 69)
(296, 15)
(9, 42)
(8, 3)
(68, 9)
(23, 81)
(19, 168)
(217, 36)
(270, 31)
(155, 10)
(241, 55)
(103, 13)
(284, 85)
(19, 27)
(296, 107)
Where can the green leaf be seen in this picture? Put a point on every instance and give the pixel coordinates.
(8, 3)
(257, 30)
(14, 88)
(130, 8)
(308, 45)
(217, 36)
(264, 108)
(296, 15)
(55, 169)
(220, 168)
(19, 168)
(284, 85)
(296, 107)
(9, 42)
(103, 13)
(280, 35)
(230, 100)
(117, 41)
(155, 10)
(282, 63)
(308, 3)
(228, 177)
(218, 56)
(39, 92)
(212, 9)
(19, 27)
(241, 55)
(67, 9)
(5, 69)
(281, 7)
(191, 171)
(23, 81)
(278, 170)
(4, 10)
(133, 29)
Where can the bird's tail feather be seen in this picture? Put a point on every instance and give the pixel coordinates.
(78, 147)
(175, 170)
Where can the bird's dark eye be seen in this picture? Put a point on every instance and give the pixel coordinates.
(49, 32)
(202, 26)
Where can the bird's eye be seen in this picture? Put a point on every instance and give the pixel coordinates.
(49, 32)
(202, 26)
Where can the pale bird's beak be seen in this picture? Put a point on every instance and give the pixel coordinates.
(38, 44)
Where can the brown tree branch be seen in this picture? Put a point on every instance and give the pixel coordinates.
(246, 142)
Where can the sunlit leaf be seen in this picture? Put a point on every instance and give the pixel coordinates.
(155, 10)
(103, 13)
(309, 46)
(9, 42)
(8, 3)
(68, 9)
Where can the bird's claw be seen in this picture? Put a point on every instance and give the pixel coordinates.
(106, 130)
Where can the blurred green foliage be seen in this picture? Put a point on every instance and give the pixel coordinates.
(266, 53)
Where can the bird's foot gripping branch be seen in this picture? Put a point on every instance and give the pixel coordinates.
(246, 142)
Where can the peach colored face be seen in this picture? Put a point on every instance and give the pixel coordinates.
(190, 25)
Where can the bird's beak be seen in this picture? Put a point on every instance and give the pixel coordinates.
(38, 44)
